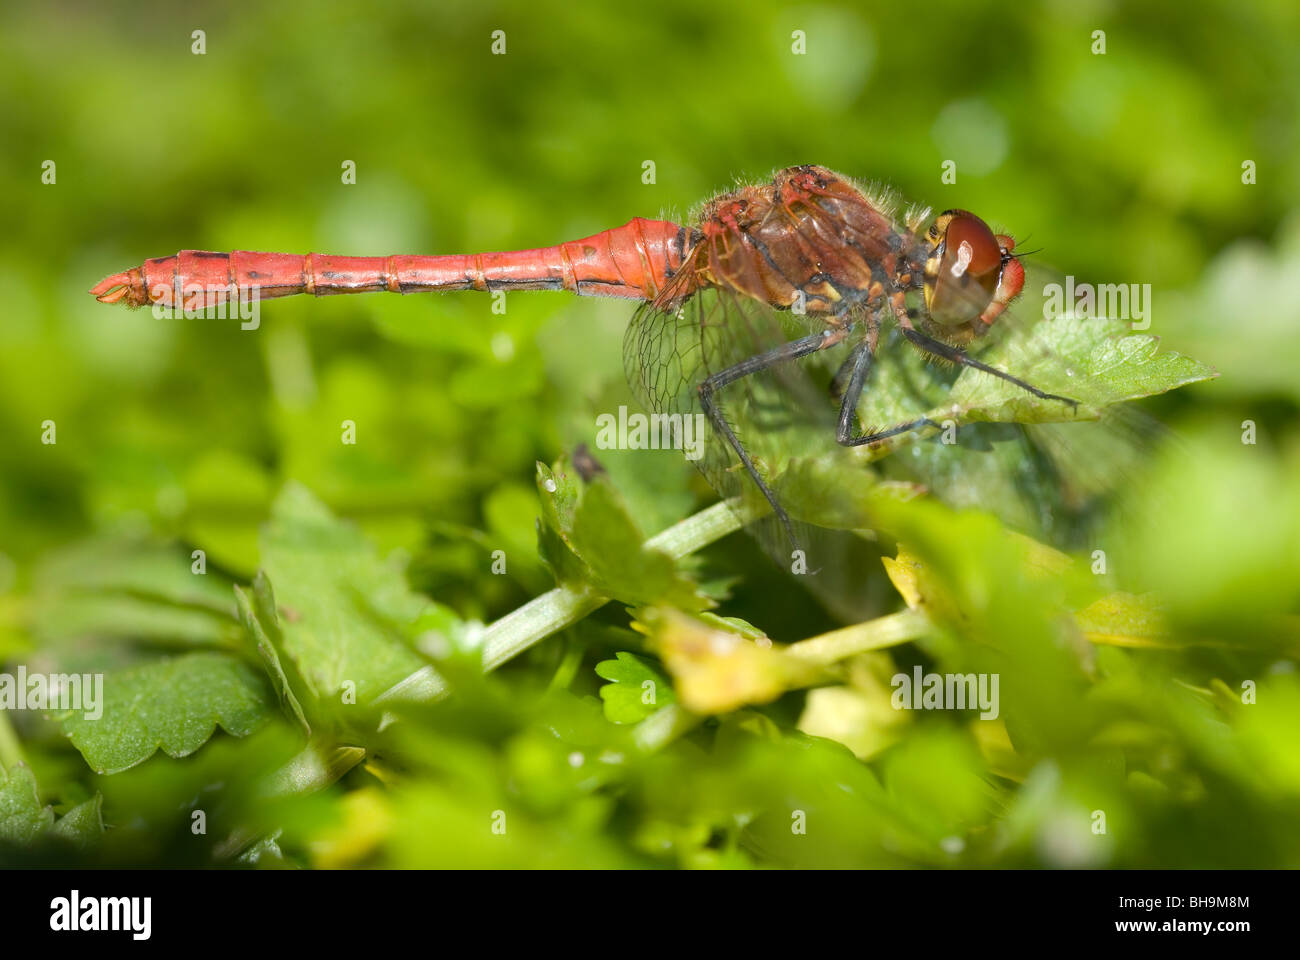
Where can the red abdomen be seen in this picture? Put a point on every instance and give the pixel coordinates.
(632, 261)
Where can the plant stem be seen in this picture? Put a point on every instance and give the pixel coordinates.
(887, 631)
(564, 606)
(697, 532)
(315, 767)
(670, 722)
(535, 620)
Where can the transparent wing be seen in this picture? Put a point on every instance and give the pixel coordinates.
(1044, 468)
(783, 415)
(774, 412)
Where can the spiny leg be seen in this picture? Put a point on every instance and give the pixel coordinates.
(858, 365)
(782, 354)
(868, 438)
(844, 375)
(960, 357)
(852, 374)
(861, 363)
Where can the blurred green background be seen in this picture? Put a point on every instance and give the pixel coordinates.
(175, 435)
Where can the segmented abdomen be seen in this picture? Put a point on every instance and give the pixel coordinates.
(631, 261)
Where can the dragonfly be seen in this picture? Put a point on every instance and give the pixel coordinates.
(809, 265)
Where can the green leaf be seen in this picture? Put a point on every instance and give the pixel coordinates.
(23, 820)
(136, 590)
(161, 572)
(1093, 361)
(1125, 620)
(258, 614)
(74, 615)
(936, 781)
(560, 491)
(174, 705)
(1039, 465)
(83, 824)
(344, 612)
(1099, 362)
(589, 537)
(627, 699)
(607, 537)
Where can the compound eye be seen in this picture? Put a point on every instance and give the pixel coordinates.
(971, 246)
(968, 270)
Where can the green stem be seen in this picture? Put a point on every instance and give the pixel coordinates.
(315, 767)
(697, 532)
(564, 606)
(668, 723)
(888, 631)
(535, 620)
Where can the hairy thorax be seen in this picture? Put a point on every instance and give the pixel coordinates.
(809, 240)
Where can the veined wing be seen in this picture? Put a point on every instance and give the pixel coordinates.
(1046, 469)
(784, 417)
(1044, 466)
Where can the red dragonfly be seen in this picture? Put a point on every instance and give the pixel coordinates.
(806, 265)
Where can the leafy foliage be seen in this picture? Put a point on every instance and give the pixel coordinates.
(345, 610)
(1096, 362)
(24, 821)
(173, 705)
(293, 630)
(21, 816)
(635, 689)
(257, 612)
(588, 535)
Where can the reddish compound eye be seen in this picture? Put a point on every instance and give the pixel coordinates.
(969, 265)
(968, 232)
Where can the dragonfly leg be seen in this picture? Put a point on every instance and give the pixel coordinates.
(858, 365)
(861, 363)
(959, 356)
(868, 438)
(852, 374)
(770, 358)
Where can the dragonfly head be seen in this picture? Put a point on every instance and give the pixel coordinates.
(971, 274)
